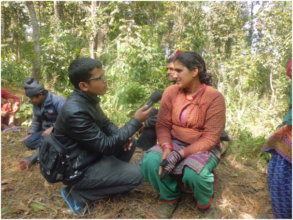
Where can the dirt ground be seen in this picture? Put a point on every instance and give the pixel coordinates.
(241, 192)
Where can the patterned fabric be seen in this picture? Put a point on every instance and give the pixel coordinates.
(280, 185)
(6, 95)
(205, 119)
(195, 161)
(281, 142)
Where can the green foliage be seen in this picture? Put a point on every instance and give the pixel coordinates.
(25, 112)
(246, 51)
(13, 74)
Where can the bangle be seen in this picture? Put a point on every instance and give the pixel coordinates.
(167, 146)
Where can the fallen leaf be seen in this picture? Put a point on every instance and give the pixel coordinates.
(244, 208)
(262, 184)
(20, 207)
(3, 182)
(5, 188)
(37, 207)
(108, 216)
(150, 214)
(4, 210)
(244, 215)
(251, 201)
(234, 175)
(257, 187)
(120, 209)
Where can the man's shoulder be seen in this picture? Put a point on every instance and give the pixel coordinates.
(57, 97)
(74, 106)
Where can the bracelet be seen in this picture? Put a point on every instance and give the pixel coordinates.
(167, 146)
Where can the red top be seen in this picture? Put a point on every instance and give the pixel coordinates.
(205, 118)
(6, 95)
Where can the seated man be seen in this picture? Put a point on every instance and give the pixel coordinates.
(8, 111)
(99, 151)
(46, 107)
(148, 137)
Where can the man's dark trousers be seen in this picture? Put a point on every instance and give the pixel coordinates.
(108, 176)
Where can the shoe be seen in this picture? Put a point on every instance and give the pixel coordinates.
(212, 211)
(166, 210)
(33, 158)
(28, 161)
(76, 209)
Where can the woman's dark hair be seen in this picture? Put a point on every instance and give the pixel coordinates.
(192, 59)
(80, 70)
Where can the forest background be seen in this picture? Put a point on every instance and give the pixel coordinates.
(246, 45)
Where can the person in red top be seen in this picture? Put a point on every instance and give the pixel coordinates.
(190, 121)
(8, 111)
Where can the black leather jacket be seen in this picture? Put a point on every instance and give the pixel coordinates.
(88, 133)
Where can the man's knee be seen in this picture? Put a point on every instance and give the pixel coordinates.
(33, 142)
(137, 177)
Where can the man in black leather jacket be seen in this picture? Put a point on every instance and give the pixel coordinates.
(99, 151)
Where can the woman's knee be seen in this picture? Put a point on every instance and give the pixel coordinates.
(194, 180)
(151, 162)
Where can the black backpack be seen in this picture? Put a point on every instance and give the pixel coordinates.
(53, 158)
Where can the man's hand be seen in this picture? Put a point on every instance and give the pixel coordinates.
(143, 113)
(128, 144)
(15, 107)
(142, 128)
(47, 131)
(22, 140)
(4, 114)
(169, 164)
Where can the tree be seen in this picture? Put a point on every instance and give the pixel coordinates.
(36, 39)
(58, 10)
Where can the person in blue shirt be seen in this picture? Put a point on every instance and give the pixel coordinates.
(46, 107)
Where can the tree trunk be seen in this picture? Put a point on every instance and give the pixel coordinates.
(94, 37)
(101, 45)
(58, 10)
(36, 38)
(3, 29)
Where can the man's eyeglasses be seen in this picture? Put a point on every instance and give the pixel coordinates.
(102, 77)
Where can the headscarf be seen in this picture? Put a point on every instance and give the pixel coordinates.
(177, 53)
(32, 87)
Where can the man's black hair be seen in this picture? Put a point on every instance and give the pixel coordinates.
(80, 70)
(170, 60)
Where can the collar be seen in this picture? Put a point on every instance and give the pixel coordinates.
(92, 100)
